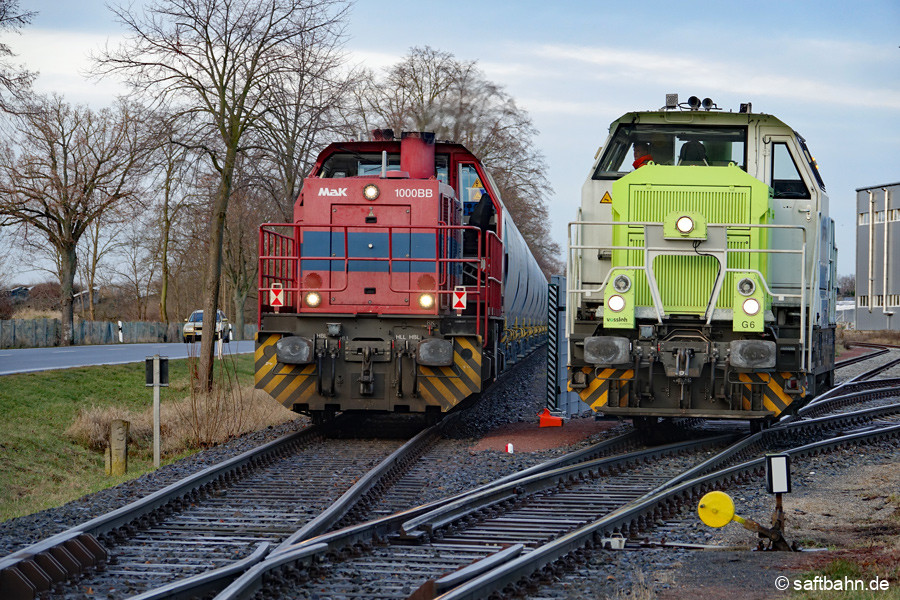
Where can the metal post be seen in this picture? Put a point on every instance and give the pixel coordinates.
(157, 375)
(552, 346)
(156, 383)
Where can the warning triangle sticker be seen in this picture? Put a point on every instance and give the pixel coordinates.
(607, 199)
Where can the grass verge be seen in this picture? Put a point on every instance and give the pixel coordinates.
(43, 466)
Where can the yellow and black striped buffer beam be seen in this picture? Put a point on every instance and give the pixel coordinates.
(597, 393)
(448, 386)
(289, 384)
(772, 385)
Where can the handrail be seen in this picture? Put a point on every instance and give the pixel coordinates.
(487, 263)
(574, 285)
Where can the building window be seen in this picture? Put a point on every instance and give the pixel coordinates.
(864, 218)
(863, 300)
(879, 216)
(895, 214)
(879, 300)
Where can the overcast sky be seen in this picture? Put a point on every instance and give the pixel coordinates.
(829, 69)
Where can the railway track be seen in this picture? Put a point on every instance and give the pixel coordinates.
(222, 518)
(169, 536)
(502, 536)
(211, 519)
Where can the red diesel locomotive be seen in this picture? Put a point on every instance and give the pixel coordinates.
(402, 285)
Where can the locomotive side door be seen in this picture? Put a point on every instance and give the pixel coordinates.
(795, 202)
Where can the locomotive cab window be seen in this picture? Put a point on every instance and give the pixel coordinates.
(786, 179)
(354, 164)
(633, 145)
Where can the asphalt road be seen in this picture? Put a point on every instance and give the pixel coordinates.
(29, 360)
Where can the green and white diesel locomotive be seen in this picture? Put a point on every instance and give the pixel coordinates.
(701, 269)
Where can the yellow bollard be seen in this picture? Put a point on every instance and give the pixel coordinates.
(117, 450)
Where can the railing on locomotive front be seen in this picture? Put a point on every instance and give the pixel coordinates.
(575, 289)
(280, 261)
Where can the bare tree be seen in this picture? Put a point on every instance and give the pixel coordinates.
(72, 165)
(305, 115)
(97, 243)
(175, 167)
(214, 60)
(15, 81)
(137, 264)
(241, 263)
(431, 90)
(846, 285)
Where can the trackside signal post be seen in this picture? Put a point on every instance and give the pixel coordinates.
(156, 369)
(716, 509)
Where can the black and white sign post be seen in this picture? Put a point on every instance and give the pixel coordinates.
(778, 482)
(156, 369)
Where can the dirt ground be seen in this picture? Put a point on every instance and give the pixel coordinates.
(528, 437)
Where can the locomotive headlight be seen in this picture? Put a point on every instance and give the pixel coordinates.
(426, 301)
(622, 283)
(616, 303)
(684, 224)
(746, 286)
(313, 299)
(371, 191)
(751, 306)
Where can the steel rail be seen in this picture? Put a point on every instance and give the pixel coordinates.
(370, 485)
(34, 569)
(424, 525)
(779, 433)
(635, 517)
(205, 584)
(282, 565)
(859, 359)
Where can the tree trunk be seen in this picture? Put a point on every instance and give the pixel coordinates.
(68, 264)
(213, 277)
(240, 298)
(164, 284)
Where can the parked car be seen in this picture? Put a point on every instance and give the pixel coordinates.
(193, 327)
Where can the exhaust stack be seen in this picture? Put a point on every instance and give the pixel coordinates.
(417, 154)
